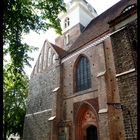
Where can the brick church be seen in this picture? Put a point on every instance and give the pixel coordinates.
(84, 87)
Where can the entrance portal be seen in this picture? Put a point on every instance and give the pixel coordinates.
(86, 123)
(91, 133)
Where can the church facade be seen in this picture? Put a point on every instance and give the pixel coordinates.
(84, 87)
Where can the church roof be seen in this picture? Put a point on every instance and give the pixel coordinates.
(59, 50)
(99, 25)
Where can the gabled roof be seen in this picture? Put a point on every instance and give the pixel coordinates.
(58, 50)
(127, 12)
(99, 25)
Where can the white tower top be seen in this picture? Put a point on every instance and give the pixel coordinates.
(78, 11)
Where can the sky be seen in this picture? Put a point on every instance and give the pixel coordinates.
(37, 40)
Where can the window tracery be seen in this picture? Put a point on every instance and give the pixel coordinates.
(83, 79)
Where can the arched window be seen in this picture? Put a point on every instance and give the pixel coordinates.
(49, 57)
(83, 79)
(66, 22)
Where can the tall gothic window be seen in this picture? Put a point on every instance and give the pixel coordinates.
(66, 22)
(83, 79)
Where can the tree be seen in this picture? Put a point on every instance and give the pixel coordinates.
(14, 97)
(21, 16)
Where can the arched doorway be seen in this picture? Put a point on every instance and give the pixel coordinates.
(91, 133)
(86, 123)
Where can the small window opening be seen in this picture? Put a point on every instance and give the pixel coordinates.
(66, 39)
(67, 22)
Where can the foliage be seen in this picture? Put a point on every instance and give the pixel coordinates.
(14, 97)
(21, 16)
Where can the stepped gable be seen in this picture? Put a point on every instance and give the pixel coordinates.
(40, 61)
(99, 25)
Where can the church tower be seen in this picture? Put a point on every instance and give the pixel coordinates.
(83, 87)
(78, 16)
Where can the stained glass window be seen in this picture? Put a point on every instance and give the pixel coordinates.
(83, 79)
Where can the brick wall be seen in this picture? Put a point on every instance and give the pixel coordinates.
(37, 127)
(74, 33)
(128, 93)
(124, 50)
(90, 95)
(40, 91)
(93, 54)
(41, 104)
